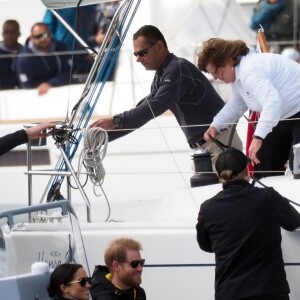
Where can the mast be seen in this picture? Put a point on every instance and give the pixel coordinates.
(97, 78)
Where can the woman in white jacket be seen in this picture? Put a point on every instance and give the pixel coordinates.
(267, 83)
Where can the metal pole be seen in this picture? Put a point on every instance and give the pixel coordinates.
(29, 168)
(76, 36)
(70, 167)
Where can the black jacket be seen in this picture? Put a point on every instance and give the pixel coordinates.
(184, 90)
(103, 289)
(8, 75)
(12, 140)
(241, 225)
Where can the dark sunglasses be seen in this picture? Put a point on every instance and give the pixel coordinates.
(135, 263)
(83, 281)
(144, 52)
(44, 35)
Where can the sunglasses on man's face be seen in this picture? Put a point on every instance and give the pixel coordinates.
(144, 52)
(135, 263)
(83, 281)
(44, 35)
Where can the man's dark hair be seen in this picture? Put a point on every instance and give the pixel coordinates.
(151, 33)
(12, 22)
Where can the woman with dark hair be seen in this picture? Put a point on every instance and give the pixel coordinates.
(69, 281)
(267, 83)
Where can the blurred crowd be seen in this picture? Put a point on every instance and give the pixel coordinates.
(280, 20)
(51, 56)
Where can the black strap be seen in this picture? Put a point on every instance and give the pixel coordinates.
(256, 180)
(198, 143)
(222, 146)
(202, 141)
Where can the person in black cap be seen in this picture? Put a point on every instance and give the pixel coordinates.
(241, 225)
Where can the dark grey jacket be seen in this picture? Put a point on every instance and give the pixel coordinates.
(180, 87)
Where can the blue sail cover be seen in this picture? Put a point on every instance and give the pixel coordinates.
(57, 4)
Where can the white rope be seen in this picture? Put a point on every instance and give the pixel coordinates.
(93, 153)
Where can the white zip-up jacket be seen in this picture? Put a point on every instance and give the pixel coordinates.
(267, 83)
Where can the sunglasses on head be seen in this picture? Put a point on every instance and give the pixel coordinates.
(135, 263)
(44, 35)
(144, 52)
(83, 281)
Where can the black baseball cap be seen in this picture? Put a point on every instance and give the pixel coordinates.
(232, 160)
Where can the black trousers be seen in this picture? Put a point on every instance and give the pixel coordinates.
(277, 148)
(269, 297)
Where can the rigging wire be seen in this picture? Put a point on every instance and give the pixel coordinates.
(92, 107)
(80, 117)
(256, 180)
(164, 138)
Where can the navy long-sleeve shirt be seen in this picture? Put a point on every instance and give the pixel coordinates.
(36, 69)
(184, 90)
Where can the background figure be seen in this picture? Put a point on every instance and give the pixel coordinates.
(291, 53)
(80, 19)
(120, 279)
(69, 281)
(267, 83)
(242, 226)
(22, 136)
(265, 12)
(9, 46)
(281, 22)
(44, 68)
(104, 13)
(178, 86)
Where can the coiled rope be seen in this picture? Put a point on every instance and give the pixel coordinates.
(93, 152)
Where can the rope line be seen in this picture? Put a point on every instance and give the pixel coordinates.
(95, 142)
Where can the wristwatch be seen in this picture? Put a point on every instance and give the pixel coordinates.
(117, 121)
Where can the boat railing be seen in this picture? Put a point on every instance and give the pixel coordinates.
(70, 172)
(41, 233)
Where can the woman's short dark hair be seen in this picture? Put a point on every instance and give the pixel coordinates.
(62, 274)
(151, 33)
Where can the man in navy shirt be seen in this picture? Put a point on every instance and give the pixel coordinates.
(40, 65)
(178, 86)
